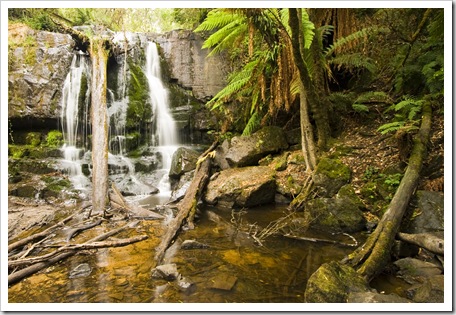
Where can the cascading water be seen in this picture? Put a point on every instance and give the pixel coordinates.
(72, 111)
(164, 134)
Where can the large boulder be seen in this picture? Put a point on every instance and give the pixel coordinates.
(183, 161)
(330, 175)
(248, 150)
(38, 64)
(242, 187)
(429, 216)
(334, 215)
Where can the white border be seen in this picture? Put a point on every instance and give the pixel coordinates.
(275, 307)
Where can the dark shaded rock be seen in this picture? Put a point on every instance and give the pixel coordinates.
(330, 175)
(166, 272)
(429, 213)
(414, 271)
(192, 244)
(372, 297)
(183, 161)
(430, 291)
(27, 191)
(334, 215)
(248, 150)
(244, 187)
(82, 270)
(333, 282)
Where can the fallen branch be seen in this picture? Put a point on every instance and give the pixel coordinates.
(187, 206)
(21, 274)
(76, 230)
(321, 240)
(427, 241)
(46, 232)
(118, 201)
(72, 247)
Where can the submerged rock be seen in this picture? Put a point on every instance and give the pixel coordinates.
(372, 297)
(82, 270)
(242, 187)
(192, 244)
(166, 272)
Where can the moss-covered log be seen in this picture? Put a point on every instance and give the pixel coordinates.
(371, 258)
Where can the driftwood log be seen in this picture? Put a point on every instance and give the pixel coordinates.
(23, 273)
(187, 206)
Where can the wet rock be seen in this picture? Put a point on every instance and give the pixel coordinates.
(330, 175)
(430, 291)
(413, 270)
(333, 282)
(166, 272)
(192, 244)
(82, 270)
(185, 285)
(181, 187)
(372, 297)
(183, 161)
(224, 282)
(334, 215)
(243, 187)
(248, 150)
(429, 214)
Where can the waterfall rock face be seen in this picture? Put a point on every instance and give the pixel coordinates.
(38, 64)
(190, 66)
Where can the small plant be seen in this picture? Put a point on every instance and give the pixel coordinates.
(54, 139)
(405, 116)
(370, 172)
(393, 180)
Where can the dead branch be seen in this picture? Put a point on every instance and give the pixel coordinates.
(187, 206)
(46, 232)
(427, 241)
(72, 232)
(73, 247)
(21, 274)
(321, 240)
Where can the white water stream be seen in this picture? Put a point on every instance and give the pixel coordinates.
(163, 139)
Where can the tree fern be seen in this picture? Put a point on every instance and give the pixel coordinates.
(353, 62)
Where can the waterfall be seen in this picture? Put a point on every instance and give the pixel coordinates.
(164, 135)
(70, 118)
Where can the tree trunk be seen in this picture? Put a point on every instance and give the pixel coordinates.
(308, 144)
(99, 117)
(372, 257)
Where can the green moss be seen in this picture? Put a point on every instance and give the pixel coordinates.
(334, 169)
(54, 139)
(33, 139)
(18, 151)
(139, 109)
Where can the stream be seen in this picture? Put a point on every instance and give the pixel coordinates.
(276, 272)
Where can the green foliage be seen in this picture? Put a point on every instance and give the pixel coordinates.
(393, 180)
(406, 113)
(35, 18)
(54, 139)
(252, 125)
(370, 172)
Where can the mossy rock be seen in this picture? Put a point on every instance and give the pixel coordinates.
(347, 193)
(139, 109)
(334, 215)
(33, 139)
(333, 282)
(18, 151)
(330, 175)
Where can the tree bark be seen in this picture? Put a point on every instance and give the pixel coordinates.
(308, 144)
(99, 117)
(372, 257)
(187, 206)
(427, 241)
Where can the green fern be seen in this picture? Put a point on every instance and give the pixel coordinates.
(354, 62)
(373, 97)
(360, 108)
(252, 124)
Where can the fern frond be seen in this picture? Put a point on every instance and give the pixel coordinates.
(373, 97)
(216, 19)
(307, 29)
(390, 127)
(252, 124)
(360, 108)
(353, 62)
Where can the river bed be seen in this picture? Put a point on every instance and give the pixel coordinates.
(275, 272)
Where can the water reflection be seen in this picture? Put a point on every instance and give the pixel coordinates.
(232, 268)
